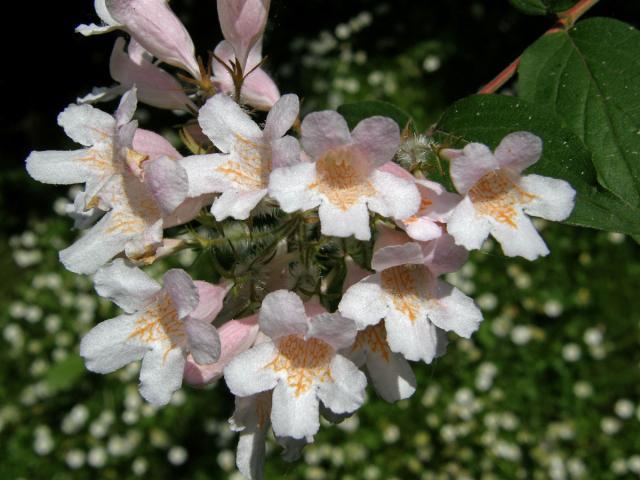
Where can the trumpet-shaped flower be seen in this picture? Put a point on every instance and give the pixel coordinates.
(242, 171)
(242, 23)
(141, 191)
(415, 305)
(161, 325)
(258, 89)
(301, 363)
(344, 178)
(497, 196)
(153, 25)
(134, 67)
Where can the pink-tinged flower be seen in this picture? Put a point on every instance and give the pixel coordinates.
(160, 326)
(497, 196)
(258, 89)
(155, 86)
(436, 205)
(416, 307)
(242, 23)
(242, 171)
(132, 175)
(236, 336)
(344, 178)
(301, 363)
(153, 25)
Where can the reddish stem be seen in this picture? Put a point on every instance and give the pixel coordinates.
(566, 20)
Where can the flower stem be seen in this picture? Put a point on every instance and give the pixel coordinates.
(566, 20)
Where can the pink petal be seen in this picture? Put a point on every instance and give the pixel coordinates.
(183, 292)
(470, 165)
(150, 143)
(442, 255)
(378, 138)
(518, 151)
(211, 298)
(167, 181)
(323, 131)
(282, 116)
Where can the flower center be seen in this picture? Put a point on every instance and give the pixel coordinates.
(160, 324)
(251, 170)
(341, 179)
(304, 362)
(496, 195)
(406, 287)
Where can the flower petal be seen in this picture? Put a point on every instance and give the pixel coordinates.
(467, 228)
(322, 131)
(282, 116)
(396, 198)
(210, 300)
(60, 167)
(554, 198)
(106, 347)
(345, 393)
(203, 341)
(343, 223)
(290, 187)
(202, 174)
(183, 292)
(161, 374)
(294, 414)
(414, 340)
(378, 138)
(222, 120)
(282, 313)
(125, 285)
(127, 107)
(245, 375)
(396, 255)
(167, 181)
(391, 376)
(523, 240)
(470, 165)
(332, 328)
(285, 152)
(237, 204)
(86, 125)
(518, 151)
(364, 302)
(442, 255)
(150, 143)
(451, 310)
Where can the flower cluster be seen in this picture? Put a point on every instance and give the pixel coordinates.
(326, 256)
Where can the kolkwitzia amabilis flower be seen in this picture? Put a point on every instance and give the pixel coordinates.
(301, 363)
(415, 305)
(344, 178)
(134, 67)
(161, 325)
(141, 192)
(243, 23)
(258, 89)
(153, 25)
(436, 205)
(497, 196)
(242, 171)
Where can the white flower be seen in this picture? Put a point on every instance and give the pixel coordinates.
(301, 364)
(416, 307)
(344, 178)
(242, 171)
(161, 325)
(497, 196)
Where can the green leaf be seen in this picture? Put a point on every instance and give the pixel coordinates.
(543, 7)
(489, 118)
(64, 374)
(355, 112)
(590, 77)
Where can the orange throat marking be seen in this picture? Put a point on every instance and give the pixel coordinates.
(304, 362)
(340, 179)
(405, 286)
(252, 171)
(496, 195)
(160, 324)
(375, 339)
